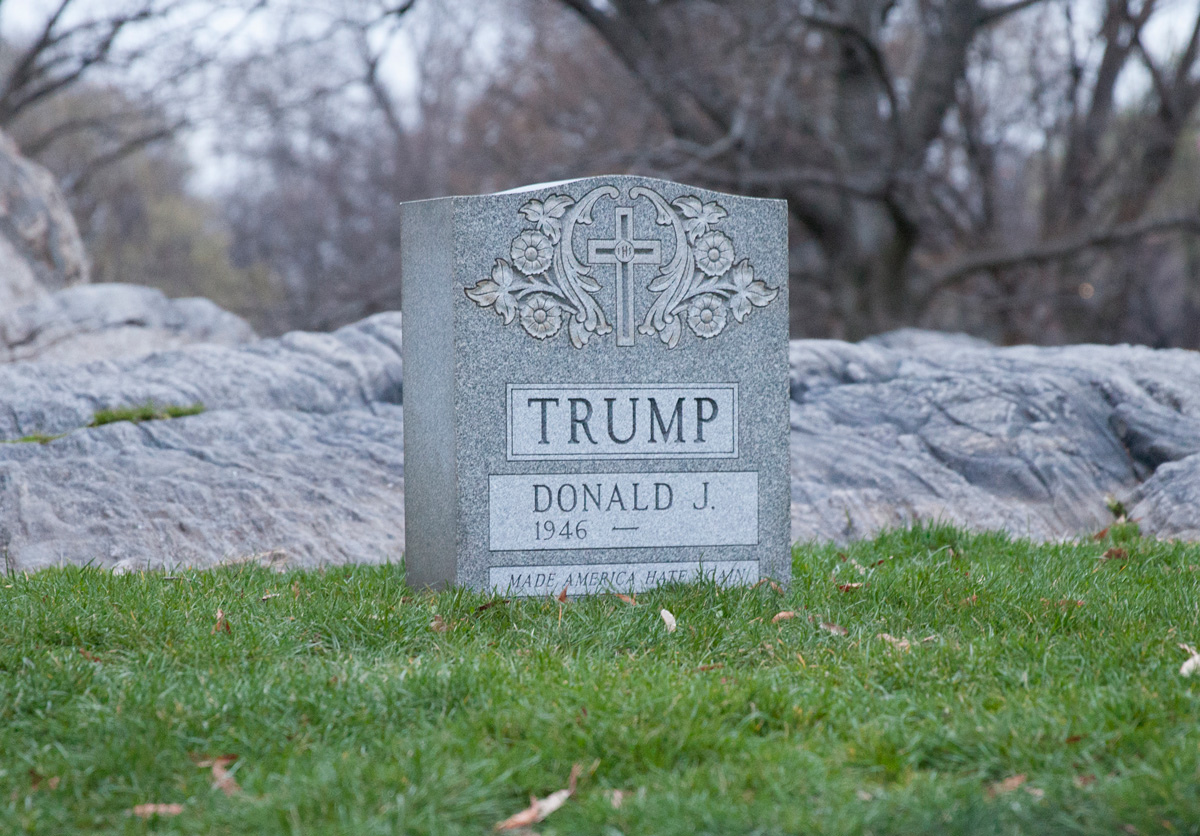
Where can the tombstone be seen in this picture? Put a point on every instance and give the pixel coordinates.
(595, 388)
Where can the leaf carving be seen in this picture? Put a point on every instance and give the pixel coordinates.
(497, 291)
(747, 291)
(547, 215)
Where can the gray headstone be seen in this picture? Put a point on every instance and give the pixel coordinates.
(595, 387)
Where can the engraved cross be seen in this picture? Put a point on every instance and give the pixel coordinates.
(623, 251)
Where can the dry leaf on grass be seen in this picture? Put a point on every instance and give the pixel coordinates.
(705, 668)
(222, 625)
(1115, 553)
(269, 596)
(489, 605)
(1192, 665)
(783, 616)
(222, 779)
(1008, 785)
(631, 600)
(562, 596)
(438, 625)
(849, 587)
(145, 811)
(899, 644)
(1083, 781)
(668, 620)
(617, 797)
(538, 809)
(36, 779)
(91, 657)
(836, 629)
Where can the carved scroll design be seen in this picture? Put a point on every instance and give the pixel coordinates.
(546, 283)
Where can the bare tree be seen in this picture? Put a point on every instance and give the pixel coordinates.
(874, 119)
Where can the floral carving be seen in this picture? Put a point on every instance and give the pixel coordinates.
(546, 285)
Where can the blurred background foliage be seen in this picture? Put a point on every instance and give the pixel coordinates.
(1024, 170)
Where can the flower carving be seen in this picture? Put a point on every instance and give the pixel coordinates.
(545, 284)
(531, 252)
(706, 316)
(714, 253)
(541, 316)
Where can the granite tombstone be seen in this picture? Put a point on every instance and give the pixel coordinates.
(595, 387)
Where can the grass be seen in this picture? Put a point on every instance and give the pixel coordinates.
(149, 411)
(350, 713)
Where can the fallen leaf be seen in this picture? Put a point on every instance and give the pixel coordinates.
(1192, 665)
(222, 624)
(1115, 553)
(862, 570)
(776, 587)
(146, 811)
(222, 780)
(269, 596)
(899, 644)
(836, 629)
(1075, 738)
(438, 625)
(782, 616)
(36, 779)
(1006, 786)
(562, 596)
(849, 587)
(668, 620)
(1101, 534)
(1039, 794)
(616, 798)
(538, 809)
(928, 639)
(1083, 781)
(489, 605)
(628, 599)
(704, 668)
(1130, 829)
(91, 657)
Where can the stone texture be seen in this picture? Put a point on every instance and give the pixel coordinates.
(40, 247)
(300, 449)
(477, 271)
(1030, 440)
(111, 321)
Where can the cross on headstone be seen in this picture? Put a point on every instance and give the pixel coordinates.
(622, 251)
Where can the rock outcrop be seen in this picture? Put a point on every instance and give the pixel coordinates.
(40, 247)
(112, 321)
(299, 453)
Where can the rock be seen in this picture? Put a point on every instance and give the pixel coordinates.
(40, 247)
(1029, 440)
(299, 451)
(298, 457)
(111, 321)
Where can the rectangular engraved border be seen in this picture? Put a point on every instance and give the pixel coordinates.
(757, 525)
(700, 454)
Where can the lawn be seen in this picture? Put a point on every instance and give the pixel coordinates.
(1039, 692)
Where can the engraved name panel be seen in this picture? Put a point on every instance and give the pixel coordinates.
(622, 421)
(622, 510)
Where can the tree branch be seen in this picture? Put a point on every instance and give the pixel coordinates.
(995, 14)
(1050, 251)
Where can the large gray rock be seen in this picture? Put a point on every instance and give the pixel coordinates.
(1030, 440)
(40, 247)
(112, 321)
(299, 453)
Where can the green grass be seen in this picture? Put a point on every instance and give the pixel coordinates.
(149, 411)
(34, 438)
(351, 715)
